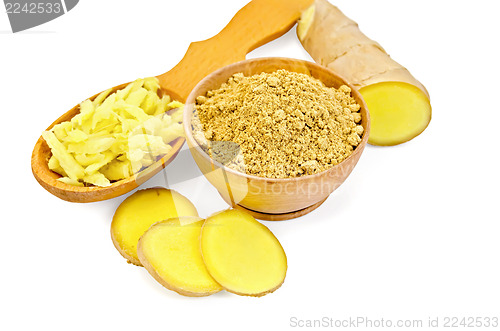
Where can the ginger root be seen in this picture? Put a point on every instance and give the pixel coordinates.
(241, 254)
(399, 104)
(139, 211)
(170, 252)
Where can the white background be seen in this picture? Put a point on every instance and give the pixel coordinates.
(413, 233)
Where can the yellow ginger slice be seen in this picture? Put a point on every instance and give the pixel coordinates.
(56, 167)
(141, 210)
(87, 109)
(172, 132)
(125, 92)
(76, 136)
(117, 169)
(66, 160)
(151, 84)
(88, 159)
(92, 145)
(150, 102)
(101, 97)
(137, 97)
(93, 168)
(241, 254)
(398, 112)
(69, 181)
(170, 252)
(61, 130)
(97, 179)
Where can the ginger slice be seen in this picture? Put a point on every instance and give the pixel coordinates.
(170, 252)
(141, 210)
(398, 111)
(241, 254)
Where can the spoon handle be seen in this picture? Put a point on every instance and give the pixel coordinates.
(259, 22)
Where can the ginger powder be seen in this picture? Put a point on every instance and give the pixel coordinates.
(285, 124)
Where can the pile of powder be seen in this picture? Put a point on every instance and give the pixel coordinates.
(285, 124)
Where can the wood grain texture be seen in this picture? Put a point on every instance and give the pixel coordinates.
(259, 22)
(272, 195)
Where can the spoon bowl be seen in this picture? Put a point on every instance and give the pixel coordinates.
(48, 179)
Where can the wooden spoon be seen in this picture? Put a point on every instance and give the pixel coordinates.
(259, 22)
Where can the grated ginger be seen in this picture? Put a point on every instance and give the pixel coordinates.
(115, 136)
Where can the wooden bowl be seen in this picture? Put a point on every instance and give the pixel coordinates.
(272, 198)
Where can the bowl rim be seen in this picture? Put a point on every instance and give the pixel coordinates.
(191, 100)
